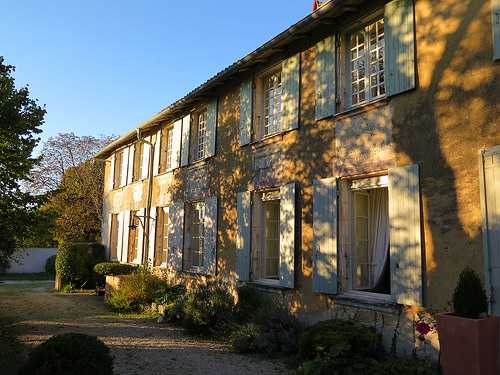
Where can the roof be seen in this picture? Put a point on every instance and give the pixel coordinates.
(276, 45)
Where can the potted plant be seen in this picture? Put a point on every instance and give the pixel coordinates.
(469, 337)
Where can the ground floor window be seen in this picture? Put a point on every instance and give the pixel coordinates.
(133, 236)
(162, 232)
(195, 235)
(266, 235)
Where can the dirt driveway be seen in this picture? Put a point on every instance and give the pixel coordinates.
(139, 346)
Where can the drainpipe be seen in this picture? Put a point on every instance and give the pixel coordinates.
(147, 214)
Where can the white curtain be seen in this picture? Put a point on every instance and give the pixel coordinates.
(378, 240)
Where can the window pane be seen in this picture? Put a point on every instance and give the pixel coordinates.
(202, 135)
(271, 238)
(197, 233)
(272, 103)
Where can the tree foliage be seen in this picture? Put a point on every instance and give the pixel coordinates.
(20, 121)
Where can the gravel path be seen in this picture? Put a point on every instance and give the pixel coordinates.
(139, 346)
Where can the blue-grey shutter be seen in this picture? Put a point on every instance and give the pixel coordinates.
(210, 243)
(246, 96)
(495, 22)
(325, 236)
(325, 78)
(399, 46)
(290, 100)
(211, 127)
(186, 128)
(243, 205)
(405, 235)
(287, 235)
(176, 236)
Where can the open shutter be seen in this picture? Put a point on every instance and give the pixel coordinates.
(111, 174)
(126, 165)
(156, 156)
(211, 127)
(125, 230)
(246, 97)
(186, 128)
(176, 236)
(145, 158)
(152, 236)
(119, 241)
(140, 241)
(405, 235)
(325, 236)
(176, 144)
(290, 78)
(325, 78)
(243, 203)
(495, 22)
(399, 38)
(131, 164)
(210, 244)
(287, 235)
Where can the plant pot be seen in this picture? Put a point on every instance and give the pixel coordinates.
(468, 346)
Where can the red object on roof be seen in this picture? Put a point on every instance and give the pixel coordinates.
(315, 5)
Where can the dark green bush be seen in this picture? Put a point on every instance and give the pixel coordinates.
(114, 269)
(71, 353)
(208, 307)
(136, 291)
(469, 297)
(171, 296)
(249, 301)
(75, 263)
(50, 266)
(340, 337)
(243, 338)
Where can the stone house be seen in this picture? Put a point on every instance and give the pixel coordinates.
(350, 166)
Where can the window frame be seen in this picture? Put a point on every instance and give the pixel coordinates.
(160, 249)
(164, 165)
(195, 153)
(189, 265)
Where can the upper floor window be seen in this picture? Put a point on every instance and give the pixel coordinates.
(118, 169)
(367, 63)
(138, 157)
(166, 154)
(268, 97)
(201, 138)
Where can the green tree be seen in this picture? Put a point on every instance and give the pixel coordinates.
(21, 119)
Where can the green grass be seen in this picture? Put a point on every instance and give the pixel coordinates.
(26, 276)
(16, 289)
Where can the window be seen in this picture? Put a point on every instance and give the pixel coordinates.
(266, 235)
(166, 154)
(367, 63)
(138, 157)
(133, 236)
(113, 238)
(196, 235)
(268, 103)
(118, 169)
(368, 252)
(201, 144)
(162, 232)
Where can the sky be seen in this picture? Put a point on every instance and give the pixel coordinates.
(103, 67)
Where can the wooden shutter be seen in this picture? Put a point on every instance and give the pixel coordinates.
(111, 176)
(133, 167)
(211, 127)
(176, 236)
(210, 243)
(399, 46)
(290, 101)
(119, 241)
(490, 204)
(325, 236)
(495, 22)
(246, 98)
(243, 249)
(153, 219)
(405, 235)
(125, 166)
(287, 235)
(325, 78)
(113, 236)
(186, 128)
(145, 158)
(157, 153)
(176, 144)
(140, 240)
(125, 234)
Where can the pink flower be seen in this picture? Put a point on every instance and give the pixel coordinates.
(423, 328)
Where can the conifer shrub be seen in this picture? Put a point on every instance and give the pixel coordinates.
(114, 269)
(469, 297)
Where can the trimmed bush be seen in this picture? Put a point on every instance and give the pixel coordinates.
(75, 263)
(208, 308)
(344, 338)
(50, 266)
(114, 269)
(71, 353)
(136, 291)
(469, 297)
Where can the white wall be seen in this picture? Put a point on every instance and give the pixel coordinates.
(30, 260)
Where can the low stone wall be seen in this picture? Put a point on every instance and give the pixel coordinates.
(30, 260)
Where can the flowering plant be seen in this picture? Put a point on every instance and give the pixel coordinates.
(424, 325)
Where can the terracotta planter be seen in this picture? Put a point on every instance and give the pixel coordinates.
(468, 346)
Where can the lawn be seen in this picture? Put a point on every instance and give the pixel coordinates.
(26, 276)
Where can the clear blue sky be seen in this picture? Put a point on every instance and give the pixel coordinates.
(102, 67)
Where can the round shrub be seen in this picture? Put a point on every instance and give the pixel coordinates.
(114, 269)
(469, 297)
(71, 353)
(50, 266)
(208, 307)
(345, 338)
(136, 291)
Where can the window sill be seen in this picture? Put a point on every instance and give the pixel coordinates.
(361, 108)
(268, 139)
(200, 162)
(271, 284)
(365, 300)
(168, 171)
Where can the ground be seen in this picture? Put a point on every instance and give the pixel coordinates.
(31, 314)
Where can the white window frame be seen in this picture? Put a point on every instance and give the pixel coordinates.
(169, 154)
(191, 267)
(365, 57)
(201, 134)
